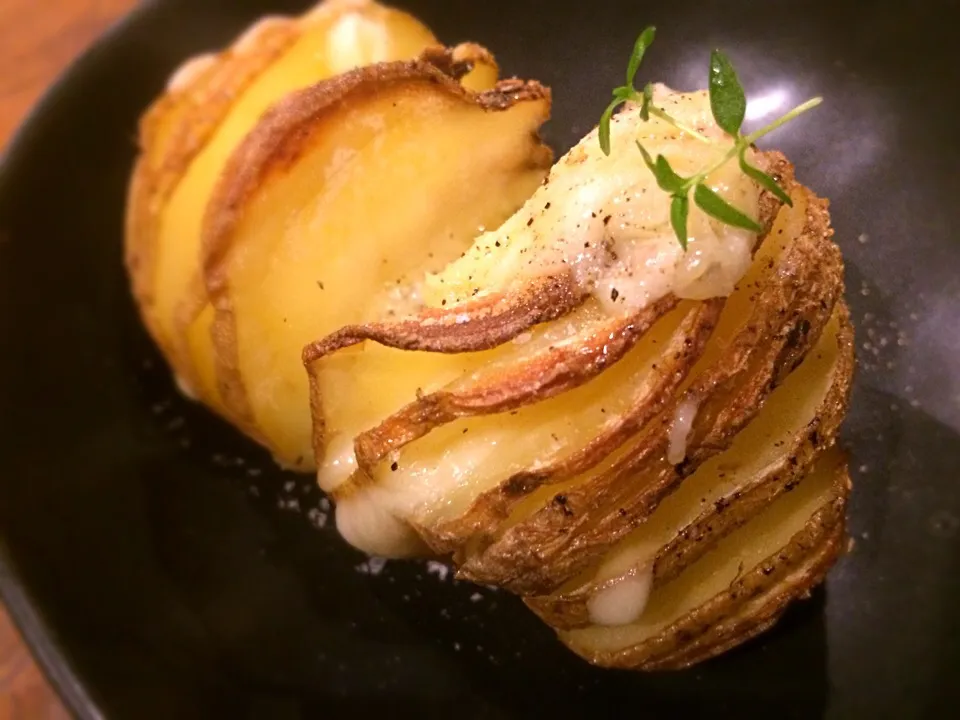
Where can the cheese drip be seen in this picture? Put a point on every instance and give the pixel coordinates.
(604, 218)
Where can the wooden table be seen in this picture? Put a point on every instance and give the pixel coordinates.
(38, 38)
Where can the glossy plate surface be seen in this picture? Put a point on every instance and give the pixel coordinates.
(161, 567)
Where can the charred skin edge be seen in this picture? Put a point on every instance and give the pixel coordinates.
(275, 144)
(202, 103)
(568, 537)
(546, 374)
(491, 507)
(819, 436)
(480, 522)
(455, 62)
(777, 166)
(569, 611)
(750, 605)
(472, 326)
(736, 631)
(478, 525)
(560, 540)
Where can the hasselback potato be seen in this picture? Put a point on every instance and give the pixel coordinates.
(369, 266)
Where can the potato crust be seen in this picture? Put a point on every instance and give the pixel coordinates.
(546, 549)
(569, 609)
(481, 324)
(493, 410)
(171, 134)
(276, 147)
(750, 604)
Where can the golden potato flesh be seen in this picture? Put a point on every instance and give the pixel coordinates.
(547, 541)
(334, 203)
(520, 371)
(799, 419)
(739, 587)
(172, 132)
(682, 450)
(186, 138)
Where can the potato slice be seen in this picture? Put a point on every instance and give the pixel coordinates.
(799, 420)
(315, 220)
(484, 451)
(211, 104)
(515, 379)
(537, 401)
(172, 132)
(552, 439)
(737, 589)
(500, 459)
(562, 529)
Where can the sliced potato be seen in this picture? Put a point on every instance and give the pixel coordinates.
(798, 422)
(737, 589)
(515, 379)
(409, 457)
(497, 455)
(172, 132)
(408, 454)
(494, 450)
(312, 224)
(561, 529)
(556, 437)
(211, 103)
(521, 371)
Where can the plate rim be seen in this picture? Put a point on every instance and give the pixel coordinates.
(34, 628)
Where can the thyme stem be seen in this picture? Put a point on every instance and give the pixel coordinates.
(728, 103)
(747, 141)
(796, 112)
(657, 112)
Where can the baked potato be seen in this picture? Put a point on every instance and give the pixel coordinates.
(210, 104)
(591, 453)
(364, 135)
(376, 274)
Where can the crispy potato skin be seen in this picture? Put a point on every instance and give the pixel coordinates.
(751, 604)
(289, 131)
(172, 131)
(543, 551)
(489, 322)
(568, 610)
(185, 134)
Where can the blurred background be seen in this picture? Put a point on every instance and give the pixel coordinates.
(38, 39)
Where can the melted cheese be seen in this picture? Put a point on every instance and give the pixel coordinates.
(623, 602)
(604, 218)
(680, 431)
(190, 70)
(338, 464)
(367, 522)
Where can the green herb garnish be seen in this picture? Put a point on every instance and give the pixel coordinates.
(728, 103)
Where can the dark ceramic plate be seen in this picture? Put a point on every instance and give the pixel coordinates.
(161, 567)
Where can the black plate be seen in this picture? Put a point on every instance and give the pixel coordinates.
(161, 567)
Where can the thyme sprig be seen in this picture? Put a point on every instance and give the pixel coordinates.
(728, 104)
